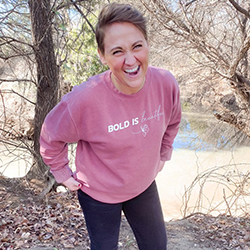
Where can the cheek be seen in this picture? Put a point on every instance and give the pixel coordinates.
(145, 56)
(116, 64)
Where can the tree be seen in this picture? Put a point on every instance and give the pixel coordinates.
(41, 37)
(215, 36)
(47, 70)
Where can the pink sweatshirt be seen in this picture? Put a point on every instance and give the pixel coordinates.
(120, 138)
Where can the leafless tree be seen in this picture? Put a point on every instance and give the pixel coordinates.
(33, 39)
(215, 37)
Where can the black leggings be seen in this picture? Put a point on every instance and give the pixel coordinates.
(143, 213)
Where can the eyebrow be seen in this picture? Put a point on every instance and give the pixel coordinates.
(119, 47)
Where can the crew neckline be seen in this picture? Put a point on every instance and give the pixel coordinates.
(115, 92)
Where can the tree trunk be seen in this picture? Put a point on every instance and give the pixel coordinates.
(47, 76)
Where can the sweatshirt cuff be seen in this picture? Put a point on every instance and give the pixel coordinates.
(62, 174)
(166, 154)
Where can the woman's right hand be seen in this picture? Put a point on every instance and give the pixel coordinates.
(72, 184)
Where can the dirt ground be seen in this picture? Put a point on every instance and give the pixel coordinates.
(55, 222)
(181, 236)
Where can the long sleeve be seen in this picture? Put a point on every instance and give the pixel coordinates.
(57, 131)
(173, 125)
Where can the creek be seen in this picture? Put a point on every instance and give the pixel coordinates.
(208, 172)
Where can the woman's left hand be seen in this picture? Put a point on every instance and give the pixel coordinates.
(162, 164)
(72, 184)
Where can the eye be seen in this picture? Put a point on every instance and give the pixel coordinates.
(137, 46)
(117, 52)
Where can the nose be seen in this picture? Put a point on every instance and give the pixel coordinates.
(130, 58)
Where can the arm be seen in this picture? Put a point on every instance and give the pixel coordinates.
(172, 127)
(57, 131)
(162, 164)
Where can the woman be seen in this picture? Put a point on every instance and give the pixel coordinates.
(124, 122)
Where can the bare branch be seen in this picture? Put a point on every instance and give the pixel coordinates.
(192, 1)
(17, 55)
(14, 92)
(4, 110)
(5, 40)
(86, 19)
(17, 80)
(68, 4)
(241, 54)
(240, 9)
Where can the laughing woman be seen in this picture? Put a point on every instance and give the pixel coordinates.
(124, 122)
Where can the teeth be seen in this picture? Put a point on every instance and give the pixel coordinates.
(132, 70)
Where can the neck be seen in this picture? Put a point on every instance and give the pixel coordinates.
(126, 89)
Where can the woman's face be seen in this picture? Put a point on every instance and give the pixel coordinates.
(126, 54)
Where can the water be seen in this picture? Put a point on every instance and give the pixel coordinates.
(201, 131)
(208, 171)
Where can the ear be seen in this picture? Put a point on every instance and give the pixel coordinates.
(102, 57)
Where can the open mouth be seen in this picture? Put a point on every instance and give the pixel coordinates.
(133, 71)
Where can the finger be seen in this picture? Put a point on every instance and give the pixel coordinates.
(76, 187)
